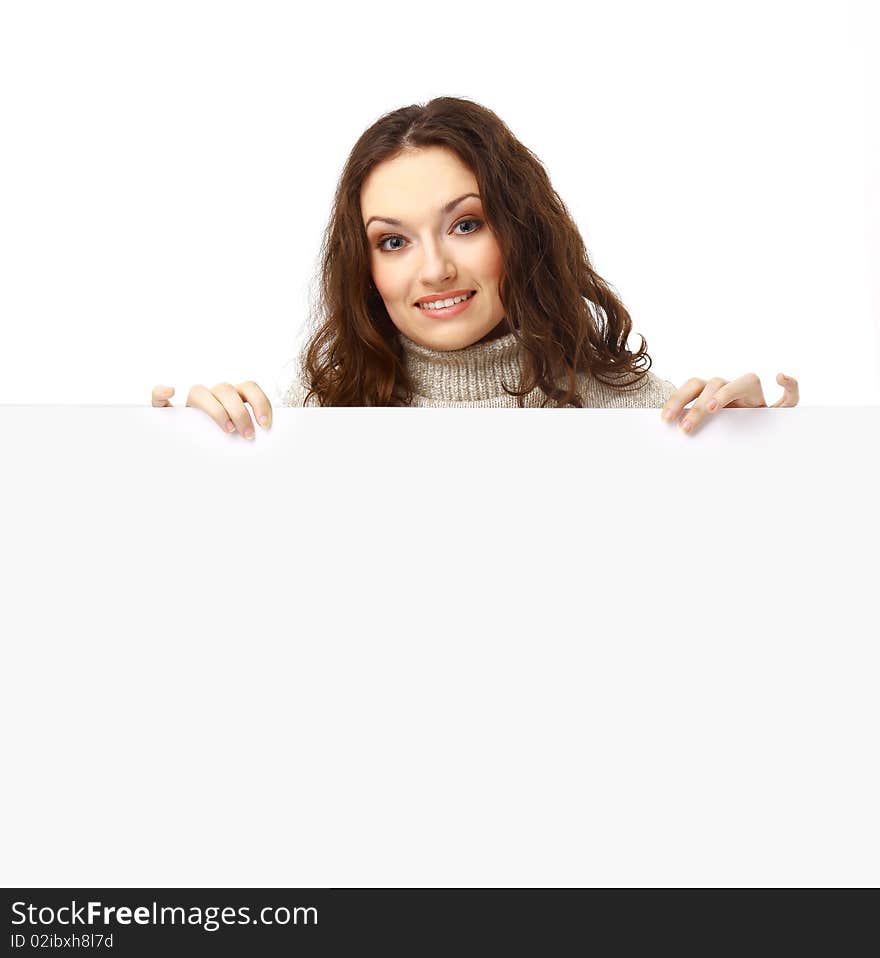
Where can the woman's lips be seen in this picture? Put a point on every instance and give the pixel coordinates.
(447, 311)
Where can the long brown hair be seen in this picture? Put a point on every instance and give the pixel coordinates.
(565, 316)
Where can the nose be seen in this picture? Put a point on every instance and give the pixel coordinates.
(437, 265)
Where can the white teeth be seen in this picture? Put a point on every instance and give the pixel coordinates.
(441, 303)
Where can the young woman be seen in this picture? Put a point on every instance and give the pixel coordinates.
(452, 274)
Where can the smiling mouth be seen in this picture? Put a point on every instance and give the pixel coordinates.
(455, 301)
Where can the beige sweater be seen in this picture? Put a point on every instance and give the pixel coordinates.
(473, 377)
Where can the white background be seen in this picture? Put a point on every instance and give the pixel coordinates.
(443, 647)
(167, 170)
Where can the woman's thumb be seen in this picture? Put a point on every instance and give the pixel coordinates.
(162, 395)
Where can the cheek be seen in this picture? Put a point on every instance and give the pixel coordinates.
(491, 262)
(383, 278)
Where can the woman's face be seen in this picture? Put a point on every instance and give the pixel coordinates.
(429, 241)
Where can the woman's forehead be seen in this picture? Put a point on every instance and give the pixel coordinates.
(415, 184)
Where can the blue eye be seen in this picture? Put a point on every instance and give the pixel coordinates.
(386, 239)
(474, 230)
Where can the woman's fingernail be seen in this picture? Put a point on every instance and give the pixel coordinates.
(229, 425)
(248, 434)
(668, 414)
(686, 425)
(264, 420)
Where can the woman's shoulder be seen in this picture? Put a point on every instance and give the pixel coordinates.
(651, 392)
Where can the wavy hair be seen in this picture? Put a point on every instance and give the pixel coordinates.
(566, 318)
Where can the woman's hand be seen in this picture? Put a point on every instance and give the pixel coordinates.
(225, 404)
(742, 393)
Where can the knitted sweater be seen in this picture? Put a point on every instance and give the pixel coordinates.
(473, 377)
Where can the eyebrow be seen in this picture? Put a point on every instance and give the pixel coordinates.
(450, 206)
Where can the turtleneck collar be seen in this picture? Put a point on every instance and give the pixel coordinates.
(472, 374)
